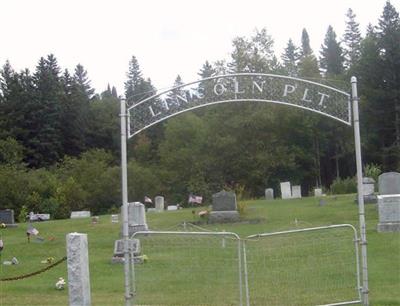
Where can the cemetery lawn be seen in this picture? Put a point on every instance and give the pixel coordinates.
(107, 282)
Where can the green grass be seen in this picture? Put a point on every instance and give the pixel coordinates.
(107, 282)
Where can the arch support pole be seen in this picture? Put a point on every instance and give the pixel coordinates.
(361, 210)
(124, 207)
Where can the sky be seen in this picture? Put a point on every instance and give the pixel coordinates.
(168, 37)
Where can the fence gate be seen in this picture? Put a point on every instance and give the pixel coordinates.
(189, 268)
(313, 266)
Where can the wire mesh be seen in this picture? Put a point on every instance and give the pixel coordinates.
(303, 268)
(188, 269)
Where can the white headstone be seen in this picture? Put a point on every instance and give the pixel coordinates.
(269, 194)
(296, 192)
(78, 270)
(389, 183)
(159, 203)
(172, 207)
(368, 186)
(80, 214)
(114, 218)
(136, 214)
(389, 213)
(317, 192)
(286, 190)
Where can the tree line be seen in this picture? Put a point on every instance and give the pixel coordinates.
(60, 142)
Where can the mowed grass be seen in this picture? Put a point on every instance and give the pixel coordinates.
(107, 281)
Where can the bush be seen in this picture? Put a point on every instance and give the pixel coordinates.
(344, 186)
(372, 170)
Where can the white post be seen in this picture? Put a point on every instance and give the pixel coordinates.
(78, 270)
(361, 210)
(124, 209)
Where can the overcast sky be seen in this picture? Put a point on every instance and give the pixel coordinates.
(168, 37)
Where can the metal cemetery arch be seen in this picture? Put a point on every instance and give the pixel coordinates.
(243, 87)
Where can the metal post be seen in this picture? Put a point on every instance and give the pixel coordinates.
(124, 209)
(361, 210)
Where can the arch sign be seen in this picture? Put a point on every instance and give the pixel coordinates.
(241, 87)
(247, 87)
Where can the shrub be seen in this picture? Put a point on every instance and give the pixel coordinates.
(344, 186)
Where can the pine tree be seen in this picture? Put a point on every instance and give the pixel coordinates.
(331, 54)
(305, 44)
(352, 40)
(290, 59)
(388, 34)
(45, 141)
(308, 64)
(206, 71)
(135, 87)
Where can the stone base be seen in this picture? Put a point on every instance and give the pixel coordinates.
(370, 199)
(12, 225)
(134, 228)
(388, 227)
(224, 216)
(121, 260)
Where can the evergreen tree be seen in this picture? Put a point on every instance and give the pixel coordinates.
(290, 59)
(136, 87)
(308, 64)
(45, 140)
(388, 33)
(351, 40)
(331, 54)
(206, 71)
(305, 44)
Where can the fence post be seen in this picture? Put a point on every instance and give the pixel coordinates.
(361, 210)
(78, 270)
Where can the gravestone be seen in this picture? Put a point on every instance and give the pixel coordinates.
(224, 208)
(286, 190)
(389, 202)
(78, 270)
(7, 217)
(269, 194)
(317, 192)
(136, 218)
(80, 214)
(389, 183)
(114, 218)
(159, 203)
(38, 217)
(133, 247)
(172, 207)
(369, 190)
(389, 213)
(296, 192)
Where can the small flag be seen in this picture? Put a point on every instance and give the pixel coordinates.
(147, 200)
(195, 199)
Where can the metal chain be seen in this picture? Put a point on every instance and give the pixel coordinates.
(33, 273)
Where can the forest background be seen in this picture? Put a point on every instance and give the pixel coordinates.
(60, 141)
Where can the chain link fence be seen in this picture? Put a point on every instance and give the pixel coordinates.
(314, 266)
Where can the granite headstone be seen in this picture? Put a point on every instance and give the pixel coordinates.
(286, 190)
(317, 192)
(296, 192)
(159, 203)
(224, 208)
(389, 183)
(7, 217)
(269, 194)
